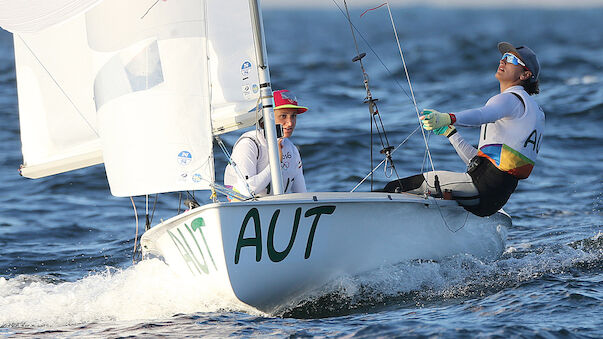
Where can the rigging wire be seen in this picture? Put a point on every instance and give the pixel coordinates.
(149, 220)
(385, 159)
(373, 51)
(369, 97)
(373, 109)
(414, 101)
(179, 202)
(411, 97)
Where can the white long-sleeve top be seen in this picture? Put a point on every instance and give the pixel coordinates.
(504, 105)
(501, 106)
(252, 173)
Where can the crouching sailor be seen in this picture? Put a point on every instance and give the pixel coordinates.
(512, 127)
(250, 154)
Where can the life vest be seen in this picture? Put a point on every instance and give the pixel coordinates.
(512, 144)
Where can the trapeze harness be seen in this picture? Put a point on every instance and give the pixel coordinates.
(508, 148)
(252, 175)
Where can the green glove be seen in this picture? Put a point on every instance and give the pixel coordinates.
(441, 130)
(433, 120)
(446, 131)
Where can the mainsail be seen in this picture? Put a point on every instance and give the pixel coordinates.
(141, 85)
(56, 100)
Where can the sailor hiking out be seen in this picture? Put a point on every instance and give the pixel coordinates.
(512, 126)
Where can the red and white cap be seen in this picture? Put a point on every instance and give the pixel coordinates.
(284, 99)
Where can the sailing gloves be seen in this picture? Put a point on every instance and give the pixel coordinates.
(439, 123)
(446, 131)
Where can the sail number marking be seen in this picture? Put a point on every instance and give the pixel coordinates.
(188, 253)
(274, 254)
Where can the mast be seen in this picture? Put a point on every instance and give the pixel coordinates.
(266, 98)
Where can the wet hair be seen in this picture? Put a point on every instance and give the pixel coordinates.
(530, 87)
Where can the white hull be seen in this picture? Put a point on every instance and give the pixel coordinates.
(267, 253)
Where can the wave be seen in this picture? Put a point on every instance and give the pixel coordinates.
(147, 290)
(421, 283)
(150, 290)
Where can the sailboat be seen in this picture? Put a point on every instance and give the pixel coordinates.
(144, 87)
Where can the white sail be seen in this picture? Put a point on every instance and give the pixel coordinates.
(152, 94)
(29, 16)
(56, 100)
(137, 85)
(233, 66)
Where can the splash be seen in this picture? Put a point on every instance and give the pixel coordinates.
(420, 283)
(147, 290)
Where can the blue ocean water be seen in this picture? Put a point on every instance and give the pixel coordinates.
(66, 244)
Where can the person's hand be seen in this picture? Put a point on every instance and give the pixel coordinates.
(433, 119)
(446, 131)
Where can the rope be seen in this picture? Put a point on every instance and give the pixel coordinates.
(372, 9)
(414, 101)
(136, 235)
(427, 151)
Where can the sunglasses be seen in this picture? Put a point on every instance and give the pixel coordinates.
(512, 59)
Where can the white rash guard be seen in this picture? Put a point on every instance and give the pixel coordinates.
(500, 106)
(511, 132)
(503, 105)
(252, 174)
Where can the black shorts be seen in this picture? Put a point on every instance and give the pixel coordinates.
(494, 186)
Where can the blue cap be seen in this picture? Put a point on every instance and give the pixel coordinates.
(526, 55)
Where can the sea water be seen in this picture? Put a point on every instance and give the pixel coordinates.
(66, 261)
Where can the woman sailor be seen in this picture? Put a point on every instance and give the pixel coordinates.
(250, 154)
(512, 126)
